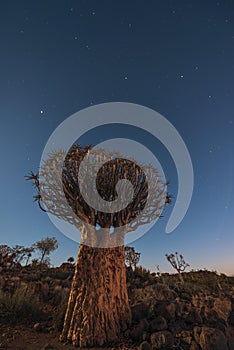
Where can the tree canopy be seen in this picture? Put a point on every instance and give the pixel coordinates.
(62, 192)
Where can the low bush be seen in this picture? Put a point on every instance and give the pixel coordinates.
(20, 305)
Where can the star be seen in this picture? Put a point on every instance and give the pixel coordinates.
(181, 76)
(125, 78)
(41, 111)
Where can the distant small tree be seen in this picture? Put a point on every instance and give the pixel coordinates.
(29, 252)
(22, 253)
(71, 260)
(178, 263)
(132, 257)
(19, 252)
(45, 247)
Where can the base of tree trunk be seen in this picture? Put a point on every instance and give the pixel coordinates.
(98, 308)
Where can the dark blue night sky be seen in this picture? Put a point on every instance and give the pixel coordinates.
(176, 57)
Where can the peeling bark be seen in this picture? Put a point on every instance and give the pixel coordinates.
(98, 308)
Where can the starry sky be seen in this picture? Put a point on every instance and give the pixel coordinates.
(176, 57)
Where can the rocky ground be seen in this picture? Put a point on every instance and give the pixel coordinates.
(196, 315)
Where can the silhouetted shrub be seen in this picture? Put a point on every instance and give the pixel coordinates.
(20, 305)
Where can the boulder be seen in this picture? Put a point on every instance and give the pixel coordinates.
(165, 309)
(231, 344)
(223, 308)
(210, 338)
(140, 311)
(186, 337)
(145, 346)
(138, 330)
(193, 318)
(158, 324)
(194, 346)
(162, 340)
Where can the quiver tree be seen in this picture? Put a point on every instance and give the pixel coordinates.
(98, 308)
(178, 263)
(45, 247)
(22, 253)
(132, 257)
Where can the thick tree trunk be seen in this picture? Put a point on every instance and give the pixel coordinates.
(98, 307)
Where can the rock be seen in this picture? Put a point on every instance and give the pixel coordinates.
(177, 327)
(210, 316)
(40, 328)
(138, 330)
(186, 337)
(231, 344)
(158, 324)
(178, 309)
(197, 333)
(193, 318)
(140, 311)
(194, 346)
(223, 308)
(162, 340)
(145, 346)
(212, 339)
(146, 336)
(231, 318)
(37, 327)
(165, 309)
